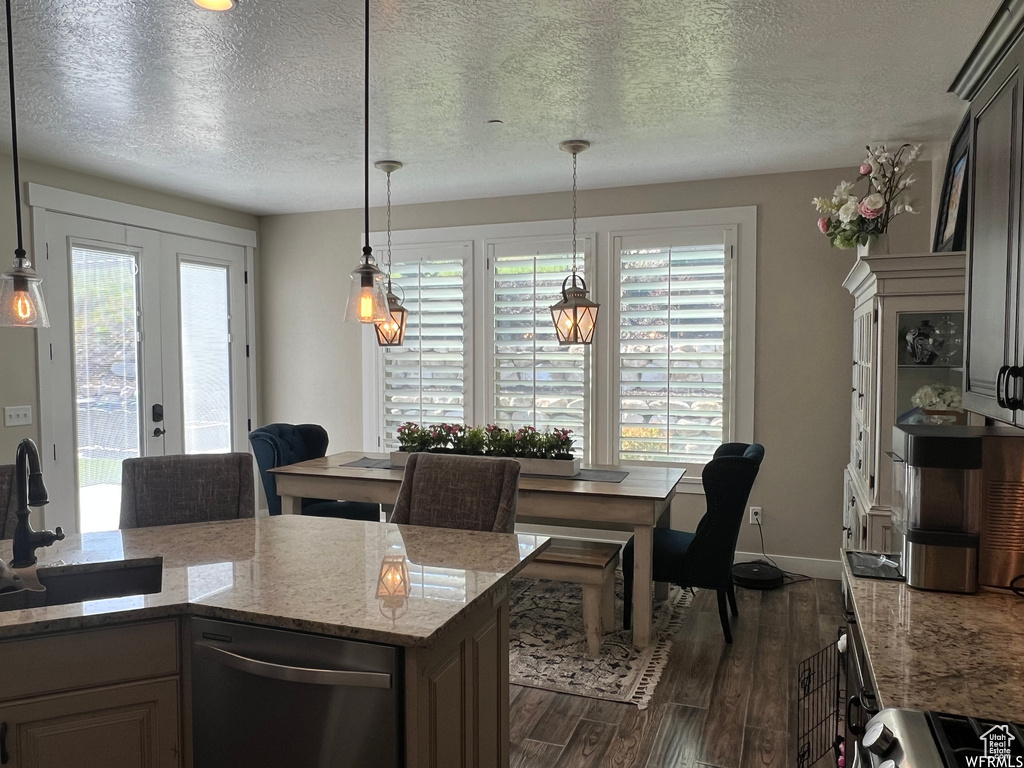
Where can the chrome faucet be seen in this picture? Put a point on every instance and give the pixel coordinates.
(31, 492)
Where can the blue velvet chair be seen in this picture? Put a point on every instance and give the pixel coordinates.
(278, 445)
(704, 558)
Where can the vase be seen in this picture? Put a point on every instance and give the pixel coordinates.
(921, 343)
(875, 246)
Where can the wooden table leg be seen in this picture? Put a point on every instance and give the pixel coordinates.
(643, 544)
(291, 505)
(661, 587)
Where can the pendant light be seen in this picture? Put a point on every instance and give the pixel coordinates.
(391, 333)
(367, 300)
(575, 316)
(21, 299)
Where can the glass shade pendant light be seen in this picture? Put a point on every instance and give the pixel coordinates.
(575, 316)
(21, 299)
(391, 333)
(367, 299)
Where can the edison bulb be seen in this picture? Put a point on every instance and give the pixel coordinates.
(24, 307)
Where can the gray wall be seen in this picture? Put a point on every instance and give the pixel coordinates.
(310, 359)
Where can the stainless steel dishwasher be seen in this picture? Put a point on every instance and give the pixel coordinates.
(268, 697)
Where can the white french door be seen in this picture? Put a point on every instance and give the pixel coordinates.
(147, 351)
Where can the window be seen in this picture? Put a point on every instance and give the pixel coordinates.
(673, 357)
(424, 380)
(535, 381)
(669, 378)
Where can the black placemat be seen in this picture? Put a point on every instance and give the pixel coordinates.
(586, 475)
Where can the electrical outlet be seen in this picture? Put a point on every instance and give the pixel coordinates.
(18, 416)
(755, 516)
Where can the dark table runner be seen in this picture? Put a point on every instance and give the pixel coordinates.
(588, 475)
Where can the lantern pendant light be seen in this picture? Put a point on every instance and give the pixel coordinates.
(367, 299)
(391, 333)
(21, 299)
(575, 316)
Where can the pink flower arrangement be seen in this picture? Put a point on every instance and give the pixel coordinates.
(851, 220)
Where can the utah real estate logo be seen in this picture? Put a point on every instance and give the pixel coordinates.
(997, 753)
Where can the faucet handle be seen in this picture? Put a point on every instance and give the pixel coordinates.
(58, 534)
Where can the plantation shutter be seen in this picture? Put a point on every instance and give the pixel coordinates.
(673, 355)
(424, 380)
(535, 381)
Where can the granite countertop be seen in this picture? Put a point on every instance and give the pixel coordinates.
(962, 654)
(303, 573)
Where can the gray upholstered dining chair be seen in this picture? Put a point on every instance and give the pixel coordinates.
(8, 502)
(166, 490)
(472, 492)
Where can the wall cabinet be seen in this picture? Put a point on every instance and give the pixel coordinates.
(896, 296)
(993, 383)
(105, 698)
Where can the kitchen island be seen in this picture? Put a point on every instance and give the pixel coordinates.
(437, 596)
(961, 654)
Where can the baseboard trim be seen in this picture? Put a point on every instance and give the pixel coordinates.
(806, 566)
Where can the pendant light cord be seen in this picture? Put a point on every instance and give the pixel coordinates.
(366, 128)
(20, 253)
(389, 230)
(573, 217)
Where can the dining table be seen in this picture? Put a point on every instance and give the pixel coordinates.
(620, 498)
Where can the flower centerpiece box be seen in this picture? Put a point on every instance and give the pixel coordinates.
(538, 453)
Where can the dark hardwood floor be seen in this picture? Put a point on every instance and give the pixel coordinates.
(716, 705)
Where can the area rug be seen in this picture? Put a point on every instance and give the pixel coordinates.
(549, 650)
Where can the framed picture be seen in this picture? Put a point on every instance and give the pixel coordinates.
(951, 223)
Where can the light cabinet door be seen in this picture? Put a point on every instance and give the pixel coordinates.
(994, 240)
(124, 726)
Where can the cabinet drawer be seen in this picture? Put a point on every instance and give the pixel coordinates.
(35, 666)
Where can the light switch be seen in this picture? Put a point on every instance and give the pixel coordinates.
(17, 415)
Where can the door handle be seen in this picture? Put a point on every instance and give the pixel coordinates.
(1000, 378)
(293, 674)
(157, 432)
(1011, 382)
(5, 758)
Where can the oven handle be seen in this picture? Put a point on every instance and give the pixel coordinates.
(854, 728)
(292, 674)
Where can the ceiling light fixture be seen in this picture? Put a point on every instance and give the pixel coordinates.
(215, 5)
(367, 299)
(391, 333)
(21, 298)
(575, 316)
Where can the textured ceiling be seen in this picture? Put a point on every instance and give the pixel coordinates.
(260, 108)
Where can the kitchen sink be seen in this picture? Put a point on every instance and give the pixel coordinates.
(94, 581)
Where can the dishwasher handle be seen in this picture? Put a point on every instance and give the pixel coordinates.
(292, 674)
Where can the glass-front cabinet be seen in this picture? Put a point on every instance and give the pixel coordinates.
(908, 325)
(929, 368)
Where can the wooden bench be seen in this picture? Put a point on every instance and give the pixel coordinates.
(591, 564)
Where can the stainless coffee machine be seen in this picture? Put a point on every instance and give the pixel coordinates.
(958, 501)
(936, 504)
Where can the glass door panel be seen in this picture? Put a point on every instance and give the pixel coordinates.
(105, 328)
(205, 357)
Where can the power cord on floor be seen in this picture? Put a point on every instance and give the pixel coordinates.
(788, 576)
(1017, 585)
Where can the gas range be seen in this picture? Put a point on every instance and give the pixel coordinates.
(905, 738)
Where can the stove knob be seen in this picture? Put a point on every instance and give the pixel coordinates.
(878, 739)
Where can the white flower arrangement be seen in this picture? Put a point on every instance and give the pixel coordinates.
(941, 396)
(849, 219)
